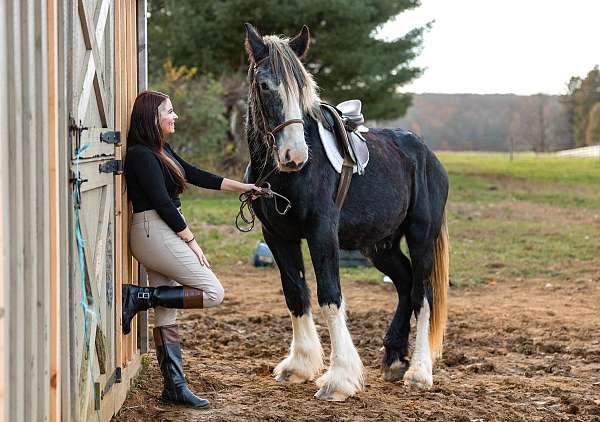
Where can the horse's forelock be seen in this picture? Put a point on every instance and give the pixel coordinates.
(297, 82)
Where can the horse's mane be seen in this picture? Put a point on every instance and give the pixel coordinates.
(297, 82)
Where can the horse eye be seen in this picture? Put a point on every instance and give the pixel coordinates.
(264, 86)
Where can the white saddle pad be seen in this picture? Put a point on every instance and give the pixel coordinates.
(331, 150)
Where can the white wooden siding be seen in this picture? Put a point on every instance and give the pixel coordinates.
(27, 215)
(49, 73)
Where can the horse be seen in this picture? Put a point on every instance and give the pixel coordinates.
(402, 194)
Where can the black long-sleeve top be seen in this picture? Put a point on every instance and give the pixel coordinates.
(151, 185)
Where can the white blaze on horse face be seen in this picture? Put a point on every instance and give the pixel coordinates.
(419, 373)
(292, 147)
(345, 375)
(305, 359)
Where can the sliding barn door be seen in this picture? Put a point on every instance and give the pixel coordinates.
(92, 341)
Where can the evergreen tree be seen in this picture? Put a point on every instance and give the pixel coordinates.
(345, 57)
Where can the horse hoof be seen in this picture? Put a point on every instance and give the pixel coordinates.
(290, 377)
(395, 371)
(418, 377)
(326, 395)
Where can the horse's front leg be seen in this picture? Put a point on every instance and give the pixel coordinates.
(305, 359)
(345, 374)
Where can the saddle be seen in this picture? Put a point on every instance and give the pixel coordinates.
(341, 134)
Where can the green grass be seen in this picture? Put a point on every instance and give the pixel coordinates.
(484, 249)
(496, 229)
(526, 166)
(541, 179)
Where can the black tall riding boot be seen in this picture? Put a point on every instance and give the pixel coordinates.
(136, 298)
(168, 354)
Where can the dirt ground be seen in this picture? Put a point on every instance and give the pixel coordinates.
(515, 350)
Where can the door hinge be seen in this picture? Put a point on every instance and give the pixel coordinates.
(97, 398)
(111, 166)
(118, 375)
(115, 378)
(111, 137)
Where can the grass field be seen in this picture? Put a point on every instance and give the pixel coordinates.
(535, 215)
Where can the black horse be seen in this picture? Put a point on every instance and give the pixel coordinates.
(402, 194)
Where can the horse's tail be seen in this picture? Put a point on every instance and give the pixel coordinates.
(439, 281)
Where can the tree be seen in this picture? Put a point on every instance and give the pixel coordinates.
(345, 57)
(199, 104)
(592, 133)
(582, 96)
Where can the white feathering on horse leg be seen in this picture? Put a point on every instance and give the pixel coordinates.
(345, 376)
(419, 373)
(305, 360)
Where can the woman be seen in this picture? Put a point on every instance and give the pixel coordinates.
(178, 272)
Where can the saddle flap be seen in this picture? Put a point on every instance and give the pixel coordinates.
(359, 148)
(328, 120)
(336, 148)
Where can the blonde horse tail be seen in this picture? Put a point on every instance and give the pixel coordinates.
(440, 278)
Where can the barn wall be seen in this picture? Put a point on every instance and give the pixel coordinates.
(126, 65)
(26, 208)
(60, 299)
(56, 203)
(35, 209)
(4, 222)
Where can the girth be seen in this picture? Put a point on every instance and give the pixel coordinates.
(339, 129)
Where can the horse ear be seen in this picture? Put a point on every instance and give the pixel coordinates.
(255, 46)
(300, 42)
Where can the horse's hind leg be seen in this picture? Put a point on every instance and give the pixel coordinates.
(419, 373)
(305, 359)
(393, 263)
(428, 245)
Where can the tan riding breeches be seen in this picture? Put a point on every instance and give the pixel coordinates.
(169, 261)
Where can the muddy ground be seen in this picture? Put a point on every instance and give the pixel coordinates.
(515, 350)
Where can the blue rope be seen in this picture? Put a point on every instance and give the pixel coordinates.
(79, 236)
(87, 310)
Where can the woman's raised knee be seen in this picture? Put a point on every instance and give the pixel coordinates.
(214, 296)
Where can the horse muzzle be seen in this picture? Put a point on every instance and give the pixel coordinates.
(289, 160)
(290, 167)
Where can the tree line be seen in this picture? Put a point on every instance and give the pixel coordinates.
(495, 122)
(492, 122)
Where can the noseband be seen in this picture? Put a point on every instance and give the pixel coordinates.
(269, 133)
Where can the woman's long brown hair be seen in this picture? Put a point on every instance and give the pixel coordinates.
(144, 130)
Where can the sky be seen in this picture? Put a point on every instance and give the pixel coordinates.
(502, 46)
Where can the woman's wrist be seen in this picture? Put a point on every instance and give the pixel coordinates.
(186, 235)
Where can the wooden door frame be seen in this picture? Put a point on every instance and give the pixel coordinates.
(4, 223)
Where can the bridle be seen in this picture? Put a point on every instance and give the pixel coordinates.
(246, 198)
(269, 134)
